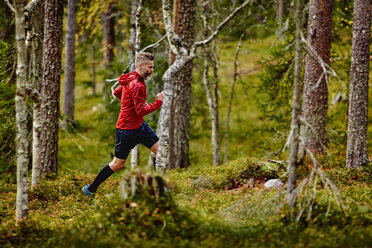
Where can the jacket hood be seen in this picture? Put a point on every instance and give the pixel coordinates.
(126, 78)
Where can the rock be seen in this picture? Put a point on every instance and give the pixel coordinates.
(273, 183)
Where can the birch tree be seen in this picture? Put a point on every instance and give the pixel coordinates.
(212, 96)
(183, 56)
(315, 93)
(37, 76)
(22, 143)
(69, 86)
(135, 44)
(296, 108)
(22, 150)
(357, 148)
(50, 90)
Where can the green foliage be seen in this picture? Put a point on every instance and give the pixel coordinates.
(7, 111)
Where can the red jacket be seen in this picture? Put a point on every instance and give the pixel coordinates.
(132, 92)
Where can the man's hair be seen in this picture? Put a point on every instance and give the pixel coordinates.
(143, 58)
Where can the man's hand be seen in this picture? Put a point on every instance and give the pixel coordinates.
(160, 96)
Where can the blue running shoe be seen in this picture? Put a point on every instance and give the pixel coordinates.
(86, 191)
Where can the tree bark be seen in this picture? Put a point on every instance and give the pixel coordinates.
(50, 90)
(182, 57)
(315, 95)
(135, 46)
(296, 109)
(231, 96)
(37, 77)
(182, 89)
(69, 87)
(357, 147)
(22, 146)
(109, 36)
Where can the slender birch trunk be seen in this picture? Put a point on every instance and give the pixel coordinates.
(37, 77)
(50, 90)
(231, 96)
(138, 5)
(21, 114)
(296, 109)
(69, 87)
(357, 143)
(212, 99)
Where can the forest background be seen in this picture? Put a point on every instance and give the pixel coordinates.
(208, 204)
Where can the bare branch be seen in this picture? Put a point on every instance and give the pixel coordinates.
(326, 68)
(10, 6)
(29, 9)
(221, 25)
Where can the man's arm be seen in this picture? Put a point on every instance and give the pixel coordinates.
(139, 98)
(118, 91)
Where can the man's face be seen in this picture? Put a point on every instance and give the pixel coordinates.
(146, 69)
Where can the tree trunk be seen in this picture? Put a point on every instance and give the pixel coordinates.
(231, 97)
(37, 77)
(69, 87)
(182, 57)
(315, 95)
(135, 46)
(109, 35)
(296, 109)
(22, 146)
(182, 90)
(108, 43)
(94, 83)
(50, 90)
(214, 113)
(357, 148)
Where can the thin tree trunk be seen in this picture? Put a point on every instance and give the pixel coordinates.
(357, 146)
(94, 69)
(22, 145)
(315, 95)
(212, 99)
(109, 35)
(172, 58)
(108, 42)
(37, 77)
(135, 153)
(214, 113)
(180, 110)
(50, 90)
(296, 109)
(231, 96)
(69, 87)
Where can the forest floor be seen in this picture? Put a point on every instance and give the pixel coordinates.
(207, 206)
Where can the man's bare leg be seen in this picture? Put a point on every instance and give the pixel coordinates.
(117, 164)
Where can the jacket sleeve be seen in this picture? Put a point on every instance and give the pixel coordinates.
(118, 91)
(139, 98)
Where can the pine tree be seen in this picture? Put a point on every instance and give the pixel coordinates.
(357, 148)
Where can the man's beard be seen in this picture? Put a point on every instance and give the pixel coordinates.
(147, 76)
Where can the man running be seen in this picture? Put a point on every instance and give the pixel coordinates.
(131, 128)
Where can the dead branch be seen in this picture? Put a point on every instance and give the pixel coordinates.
(10, 6)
